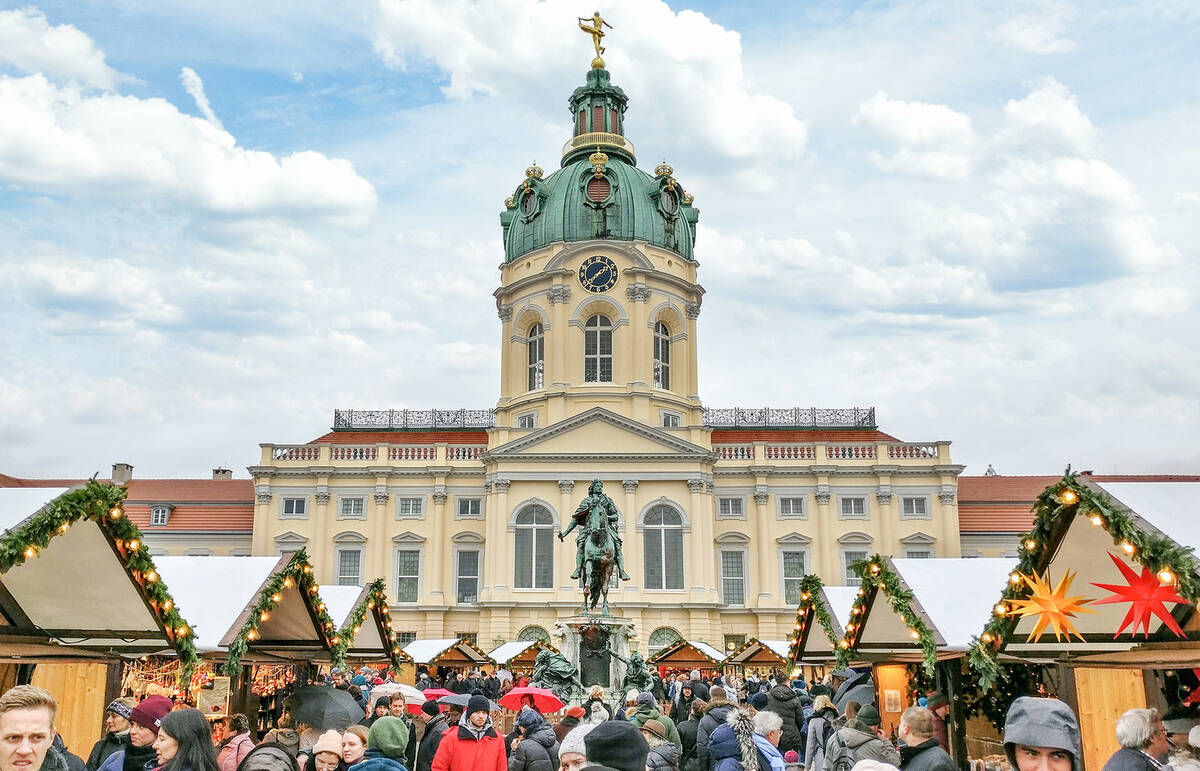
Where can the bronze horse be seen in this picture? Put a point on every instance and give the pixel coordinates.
(599, 560)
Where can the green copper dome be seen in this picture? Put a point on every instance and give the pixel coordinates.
(599, 192)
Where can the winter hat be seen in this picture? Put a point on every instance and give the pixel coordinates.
(1179, 725)
(599, 713)
(791, 757)
(269, 756)
(377, 681)
(478, 703)
(576, 712)
(121, 707)
(573, 741)
(335, 671)
(388, 735)
(529, 718)
(717, 696)
(431, 707)
(758, 700)
(937, 699)
(631, 697)
(1194, 736)
(819, 690)
(655, 727)
(616, 744)
(383, 701)
(151, 711)
(359, 680)
(868, 715)
(645, 697)
(330, 741)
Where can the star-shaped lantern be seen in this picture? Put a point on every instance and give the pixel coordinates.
(1147, 596)
(1052, 607)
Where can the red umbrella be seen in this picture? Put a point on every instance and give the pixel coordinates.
(436, 693)
(544, 699)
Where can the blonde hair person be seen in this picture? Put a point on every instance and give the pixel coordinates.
(354, 744)
(27, 727)
(823, 722)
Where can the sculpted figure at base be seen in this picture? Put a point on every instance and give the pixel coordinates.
(553, 670)
(598, 545)
(637, 674)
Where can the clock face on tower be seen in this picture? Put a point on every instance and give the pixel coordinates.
(598, 274)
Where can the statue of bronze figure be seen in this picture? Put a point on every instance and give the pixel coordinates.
(598, 545)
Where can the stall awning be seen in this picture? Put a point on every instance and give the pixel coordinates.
(450, 651)
(688, 654)
(364, 627)
(519, 653)
(821, 618)
(760, 652)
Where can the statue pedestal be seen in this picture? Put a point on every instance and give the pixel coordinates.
(586, 641)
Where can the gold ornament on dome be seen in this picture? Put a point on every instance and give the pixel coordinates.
(509, 202)
(596, 30)
(534, 171)
(598, 159)
(688, 198)
(663, 170)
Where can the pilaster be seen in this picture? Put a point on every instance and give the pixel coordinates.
(767, 566)
(442, 576)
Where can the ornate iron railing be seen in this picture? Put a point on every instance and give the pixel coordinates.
(359, 420)
(800, 417)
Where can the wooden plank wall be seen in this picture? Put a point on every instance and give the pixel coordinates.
(891, 677)
(80, 691)
(1103, 695)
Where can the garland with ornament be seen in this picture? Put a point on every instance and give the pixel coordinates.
(993, 702)
(101, 502)
(296, 574)
(1163, 560)
(810, 600)
(375, 602)
(876, 575)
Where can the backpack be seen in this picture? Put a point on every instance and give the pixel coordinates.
(752, 687)
(843, 758)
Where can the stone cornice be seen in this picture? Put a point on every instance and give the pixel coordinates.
(679, 446)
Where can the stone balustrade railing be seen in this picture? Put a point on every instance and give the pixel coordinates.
(320, 454)
(834, 451)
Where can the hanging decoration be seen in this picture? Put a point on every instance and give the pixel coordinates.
(266, 679)
(1146, 595)
(1065, 499)
(297, 574)
(876, 577)
(1052, 607)
(810, 608)
(375, 603)
(101, 502)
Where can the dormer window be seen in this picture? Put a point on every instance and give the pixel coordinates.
(159, 514)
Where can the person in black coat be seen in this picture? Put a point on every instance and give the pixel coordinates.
(1042, 733)
(919, 750)
(715, 713)
(116, 731)
(1143, 742)
(537, 747)
(782, 700)
(436, 723)
(687, 736)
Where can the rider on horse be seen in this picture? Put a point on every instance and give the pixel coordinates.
(596, 497)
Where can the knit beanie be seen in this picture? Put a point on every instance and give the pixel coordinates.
(383, 701)
(388, 735)
(478, 703)
(868, 715)
(618, 745)
(330, 741)
(121, 707)
(431, 707)
(573, 741)
(758, 700)
(576, 712)
(645, 697)
(269, 756)
(631, 697)
(151, 711)
(936, 699)
(529, 718)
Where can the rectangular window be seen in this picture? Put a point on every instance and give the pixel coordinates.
(914, 508)
(404, 638)
(597, 118)
(664, 558)
(793, 571)
(468, 577)
(729, 507)
(469, 508)
(471, 637)
(733, 578)
(409, 508)
(849, 557)
(352, 508)
(528, 420)
(733, 642)
(791, 506)
(918, 554)
(671, 420)
(853, 508)
(159, 514)
(597, 350)
(349, 562)
(408, 566)
(294, 508)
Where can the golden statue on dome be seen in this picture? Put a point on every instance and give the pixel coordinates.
(596, 30)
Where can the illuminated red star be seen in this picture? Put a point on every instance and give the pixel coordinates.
(1146, 596)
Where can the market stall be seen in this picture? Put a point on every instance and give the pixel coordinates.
(821, 618)
(79, 592)
(365, 634)
(518, 657)
(1106, 585)
(686, 655)
(447, 656)
(757, 657)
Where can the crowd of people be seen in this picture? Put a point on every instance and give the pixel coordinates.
(773, 729)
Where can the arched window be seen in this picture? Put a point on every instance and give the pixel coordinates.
(662, 356)
(597, 350)
(663, 637)
(534, 564)
(537, 356)
(531, 633)
(663, 539)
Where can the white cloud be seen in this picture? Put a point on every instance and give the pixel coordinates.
(30, 43)
(1038, 33)
(57, 139)
(1050, 116)
(688, 67)
(195, 86)
(934, 140)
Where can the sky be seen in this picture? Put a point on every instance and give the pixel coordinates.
(220, 221)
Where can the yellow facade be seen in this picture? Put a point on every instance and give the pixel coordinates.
(743, 495)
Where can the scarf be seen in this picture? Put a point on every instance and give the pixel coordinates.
(136, 758)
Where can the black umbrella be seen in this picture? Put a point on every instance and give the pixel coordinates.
(325, 708)
(461, 699)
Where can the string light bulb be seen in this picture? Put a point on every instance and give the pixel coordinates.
(874, 568)
(167, 605)
(134, 544)
(1014, 578)
(1030, 545)
(264, 616)
(1127, 547)
(151, 576)
(30, 552)
(336, 640)
(845, 644)
(1097, 520)
(252, 635)
(987, 637)
(182, 631)
(63, 528)
(914, 634)
(1166, 576)
(1069, 497)
(276, 597)
(1001, 609)
(371, 605)
(115, 512)
(287, 582)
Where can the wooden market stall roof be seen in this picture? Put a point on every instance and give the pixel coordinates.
(760, 652)
(921, 610)
(450, 651)
(1107, 574)
(688, 654)
(78, 580)
(520, 653)
(364, 625)
(263, 609)
(826, 607)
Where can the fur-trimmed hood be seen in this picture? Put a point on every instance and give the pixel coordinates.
(735, 739)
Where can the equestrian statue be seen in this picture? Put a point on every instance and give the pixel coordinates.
(598, 546)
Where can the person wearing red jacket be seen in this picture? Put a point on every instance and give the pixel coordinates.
(473, 745)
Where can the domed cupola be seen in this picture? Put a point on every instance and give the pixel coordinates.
(598, 192)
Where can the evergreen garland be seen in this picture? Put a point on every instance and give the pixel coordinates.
(101, 502)
(810, 599)
(299, 574)
(375, 603)
(993, 701)
(1056, 504)
(874, 572)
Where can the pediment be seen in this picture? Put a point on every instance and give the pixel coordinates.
(291, 537)
(794, 539)
(599, 432)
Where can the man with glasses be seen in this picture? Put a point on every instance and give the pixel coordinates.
(1143, 742)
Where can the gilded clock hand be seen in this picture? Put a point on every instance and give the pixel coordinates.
(605, 271)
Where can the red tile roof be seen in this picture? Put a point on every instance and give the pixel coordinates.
(403, 437)
(190, 490)
(735, 435)
(192, 517)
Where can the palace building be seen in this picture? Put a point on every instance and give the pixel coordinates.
(722, 510)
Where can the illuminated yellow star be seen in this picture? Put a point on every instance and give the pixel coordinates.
(1052, 607)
